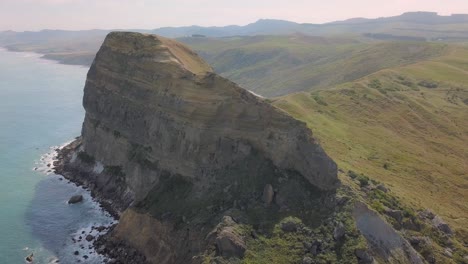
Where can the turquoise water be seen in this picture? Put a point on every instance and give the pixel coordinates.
(40, 107)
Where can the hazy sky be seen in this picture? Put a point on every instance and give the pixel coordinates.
(112, 14)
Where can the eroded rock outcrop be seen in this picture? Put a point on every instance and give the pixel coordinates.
(181, 145)
(384, 240)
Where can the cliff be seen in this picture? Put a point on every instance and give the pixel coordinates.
(154, 105)
(177, 148)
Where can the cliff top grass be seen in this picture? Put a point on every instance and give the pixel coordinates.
(406, 127)
(158, 48)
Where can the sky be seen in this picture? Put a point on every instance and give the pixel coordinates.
(21, 15)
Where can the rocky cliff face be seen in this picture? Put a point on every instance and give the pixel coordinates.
(181, 145)
(153, 105)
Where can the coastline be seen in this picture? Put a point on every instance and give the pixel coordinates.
(59, 168)
(102, 247)
(85, 238)
(59, 58)
(115, 250)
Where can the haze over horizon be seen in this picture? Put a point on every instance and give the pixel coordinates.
(24, 15)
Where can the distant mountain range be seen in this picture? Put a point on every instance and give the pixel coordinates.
(428, 25)
(411, 21)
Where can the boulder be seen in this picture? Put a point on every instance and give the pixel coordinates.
(363, 256)
(307, 260)
(382, 188)
(438, 223)
(339, 232)
(395, 214)
(289, 226)
(230, 244)
(419, 241)
(75, 199)
(89, 238)
(448, 253)
(410, 224)
(268, 194)
(341, 200)
(315, 247)
(426, 214)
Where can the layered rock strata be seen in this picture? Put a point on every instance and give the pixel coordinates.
(173, 145)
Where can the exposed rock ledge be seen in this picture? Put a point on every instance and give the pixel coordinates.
(180, 145)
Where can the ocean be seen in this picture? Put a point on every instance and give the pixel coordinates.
(41, 109)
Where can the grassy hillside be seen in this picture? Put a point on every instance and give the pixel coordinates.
(406, 127)
(278, 65)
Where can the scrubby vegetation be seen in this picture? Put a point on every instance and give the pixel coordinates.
(114, 170)
(86, 158)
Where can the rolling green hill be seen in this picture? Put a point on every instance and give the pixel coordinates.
(279, 65)
(404, 126)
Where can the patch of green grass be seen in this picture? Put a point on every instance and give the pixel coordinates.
(375, 83)
(352, 174)
(289, 247)
(319, 100)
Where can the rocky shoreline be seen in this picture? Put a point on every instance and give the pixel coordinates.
(60, 168)
(116, 251)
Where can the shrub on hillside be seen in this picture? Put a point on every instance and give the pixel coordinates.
(376, 84)
(428, 84)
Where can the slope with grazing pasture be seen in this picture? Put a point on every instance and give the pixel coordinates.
(279, 65)
(406, 127)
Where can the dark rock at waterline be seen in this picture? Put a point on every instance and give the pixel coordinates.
(76, 253)
(75, 199)
(89, 238)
